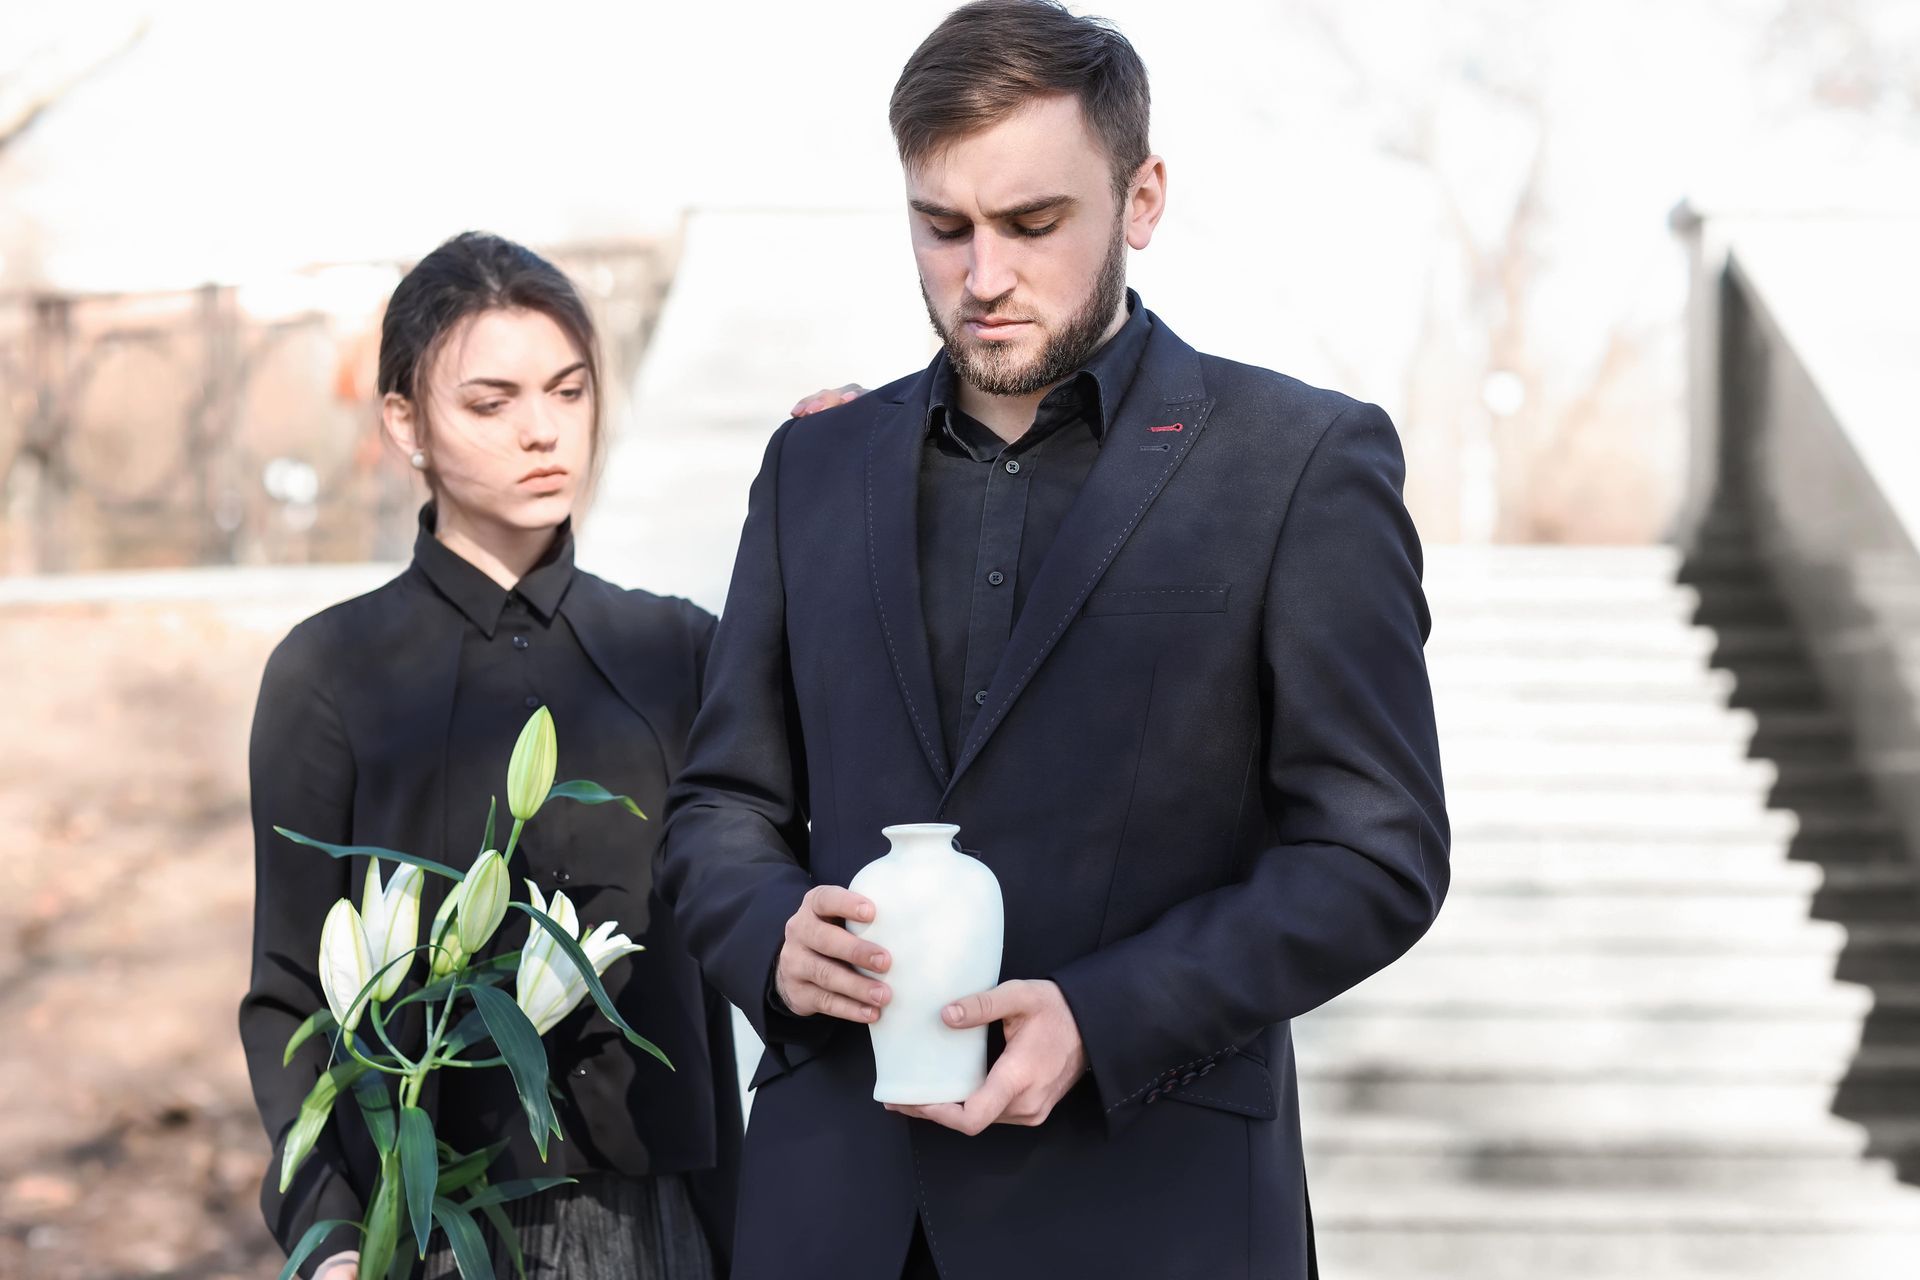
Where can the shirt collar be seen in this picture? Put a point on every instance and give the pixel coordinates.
(479, 597)
(1095, 389)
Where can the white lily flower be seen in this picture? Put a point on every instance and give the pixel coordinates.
(548, 986)
(345, 962)
(530, 772)
(391, 917)
(448, 954)
(484, 904)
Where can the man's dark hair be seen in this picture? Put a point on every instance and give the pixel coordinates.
(990, 58)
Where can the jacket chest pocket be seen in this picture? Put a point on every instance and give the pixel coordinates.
(1205, 597)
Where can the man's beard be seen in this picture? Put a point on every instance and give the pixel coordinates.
(992, 369)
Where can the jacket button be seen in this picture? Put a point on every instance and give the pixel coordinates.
(562, 876)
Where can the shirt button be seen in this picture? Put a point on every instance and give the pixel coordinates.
(580, 1071)
(519, 642)
(980, 698)
(533, 703)
(1013, 466)
(995, 578)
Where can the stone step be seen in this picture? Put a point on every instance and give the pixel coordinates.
(1519, 1042)
(1843, 891)
(1619, 723)
(1401, 1154)
(1514, 1233)
(1622, 919)
(1536, 561)
(1800, 968)
(1763, 688)
(1583, 771)
(1576, 603)
(1776, 842)
(1630, 638)
(1624, 818)
(1880, 1080)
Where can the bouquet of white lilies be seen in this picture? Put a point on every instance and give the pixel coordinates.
(366, 955)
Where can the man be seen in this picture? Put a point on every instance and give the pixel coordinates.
(1147, 624)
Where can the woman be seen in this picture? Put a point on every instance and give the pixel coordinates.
(388, 721)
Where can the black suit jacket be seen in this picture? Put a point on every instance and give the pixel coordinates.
(1205, 775)
(349, 739)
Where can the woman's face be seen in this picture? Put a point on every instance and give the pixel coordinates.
(509, 409)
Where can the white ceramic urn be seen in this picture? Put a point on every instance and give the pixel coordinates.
(938, 913)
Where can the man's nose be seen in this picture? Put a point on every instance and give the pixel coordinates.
(990, 271)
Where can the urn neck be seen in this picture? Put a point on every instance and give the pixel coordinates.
(921, 839)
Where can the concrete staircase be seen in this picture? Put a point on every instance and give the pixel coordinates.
(1668, 1024)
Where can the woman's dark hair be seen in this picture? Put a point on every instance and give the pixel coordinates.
(990, 58)
(473, 273)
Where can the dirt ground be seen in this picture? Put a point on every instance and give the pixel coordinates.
(132, 1147)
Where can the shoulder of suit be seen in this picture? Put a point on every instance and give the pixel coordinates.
(1273, 406)
(847, 423)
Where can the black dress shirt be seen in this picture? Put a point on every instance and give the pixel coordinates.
(989, 511)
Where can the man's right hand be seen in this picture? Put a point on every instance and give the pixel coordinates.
(816, 970)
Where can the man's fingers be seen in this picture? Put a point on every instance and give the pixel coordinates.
(828, 939)
(835, 1005)
(831, 902)
(984, 1007)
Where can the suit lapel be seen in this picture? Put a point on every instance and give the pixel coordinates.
(893, 561)
(1134, 465)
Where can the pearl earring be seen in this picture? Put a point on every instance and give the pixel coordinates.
(419, 459)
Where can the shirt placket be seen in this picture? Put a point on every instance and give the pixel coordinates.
(1003, 517)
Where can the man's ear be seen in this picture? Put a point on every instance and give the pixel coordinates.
(1146, 201)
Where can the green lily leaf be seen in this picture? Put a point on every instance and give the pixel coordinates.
(519, 1189)
(503, 1228)
(314, 1237)
(377, 1109)
(463, 1171)
(593, 793)
(469, 1250)
(383, 1223)
(526, 1058)
(568, 944)
(494, 969)
(368, 851)
(420, 1170)
(313, 1117)
(318, 1024)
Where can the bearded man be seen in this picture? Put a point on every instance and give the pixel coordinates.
(1148, 625)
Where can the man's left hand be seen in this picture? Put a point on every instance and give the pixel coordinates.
(1044, 1057)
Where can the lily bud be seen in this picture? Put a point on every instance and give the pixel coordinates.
(484, 904)
(345, 963)
(448, 954)
(548, 986)
(530, 773)
(391, 916)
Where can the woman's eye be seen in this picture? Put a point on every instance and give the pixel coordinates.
(572, 393)
(487, 408)
(939, 234)
(1034, 232)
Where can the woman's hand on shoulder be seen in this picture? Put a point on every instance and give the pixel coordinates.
(828, 399)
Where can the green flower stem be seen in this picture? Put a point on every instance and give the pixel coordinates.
(513, 839)
(380, 1029)
(353, 1051)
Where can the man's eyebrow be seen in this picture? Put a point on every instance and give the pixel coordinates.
(1040, 204)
